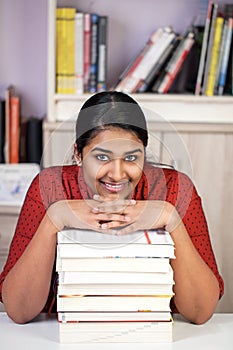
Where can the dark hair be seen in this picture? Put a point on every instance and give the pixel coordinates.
(109, 109)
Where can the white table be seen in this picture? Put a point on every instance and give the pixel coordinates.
(217, 334)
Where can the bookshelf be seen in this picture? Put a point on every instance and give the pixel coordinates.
(194, 133)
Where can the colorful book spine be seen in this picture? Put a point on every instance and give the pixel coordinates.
(87, 50)
(225, 61)
(14, 129)
(214, 56)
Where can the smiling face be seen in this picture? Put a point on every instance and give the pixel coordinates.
(112, 163)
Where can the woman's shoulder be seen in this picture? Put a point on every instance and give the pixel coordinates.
(58, 171)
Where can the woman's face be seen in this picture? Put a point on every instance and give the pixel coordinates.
(112, 163)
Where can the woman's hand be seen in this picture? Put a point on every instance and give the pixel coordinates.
(139, 215)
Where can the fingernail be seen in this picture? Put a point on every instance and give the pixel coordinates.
(127, 218)
(132, 201)
(95, 210)
(104, 226)
(96, 196)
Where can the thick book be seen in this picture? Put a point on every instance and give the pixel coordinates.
(140, 316)
(116, 332)
(210, 84)
(81, 243)
(86, 50)
(102, 303)
(15, 121)
(116, 289)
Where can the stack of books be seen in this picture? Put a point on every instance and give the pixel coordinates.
(114, 288)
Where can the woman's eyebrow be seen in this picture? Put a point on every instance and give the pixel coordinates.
(99, 149)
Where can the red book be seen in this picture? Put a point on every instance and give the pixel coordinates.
(14, 129)
(87, 50)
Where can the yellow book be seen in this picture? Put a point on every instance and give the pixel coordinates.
(214, 56)
(59, 15)
(69, 53)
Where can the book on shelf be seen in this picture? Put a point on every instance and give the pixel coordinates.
(204, 48)
(86, 50)
(102, 53)
(2, 130)
(124, 76)
(175, 63)
(225, 57)
(154, 51)
(15, 121)
(214, 14)
(159, 65)
(94, 53)
(79, 53)
(65, 50)
(116, 332)
(210, 83)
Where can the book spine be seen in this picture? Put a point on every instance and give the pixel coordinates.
(94, 53)
(209, 48)
(2, 130)
(223, 69)
(59, 50)
(221, 52)
(70, 51)
(214, 56)
(14, 129)
(87, 50)
(176, 62)
(203, 49)
(102, 53)
(79, 54)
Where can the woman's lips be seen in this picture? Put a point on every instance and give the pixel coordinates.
(114, 187)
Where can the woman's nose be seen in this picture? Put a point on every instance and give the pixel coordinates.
(116, 171)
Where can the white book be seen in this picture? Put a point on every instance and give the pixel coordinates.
(78, 277)
(116, 289)
(149, 316)
(116, 332)
(91, 244)
(112, 264)
(99, 303)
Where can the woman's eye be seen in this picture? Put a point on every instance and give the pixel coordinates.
(102, 157)
(130, 158)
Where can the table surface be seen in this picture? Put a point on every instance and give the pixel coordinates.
(42, 333)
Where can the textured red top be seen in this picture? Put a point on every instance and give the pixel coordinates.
(67, 182)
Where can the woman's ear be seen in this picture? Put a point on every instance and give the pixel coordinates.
(77, 156)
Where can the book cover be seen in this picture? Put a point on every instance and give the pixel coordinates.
(204, 49)
(210, 84)
(102, 53)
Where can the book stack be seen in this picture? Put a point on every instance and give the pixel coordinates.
(114, 288)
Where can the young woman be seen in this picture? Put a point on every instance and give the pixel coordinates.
(114, 190)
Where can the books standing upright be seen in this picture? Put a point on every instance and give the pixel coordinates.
(114, 288)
